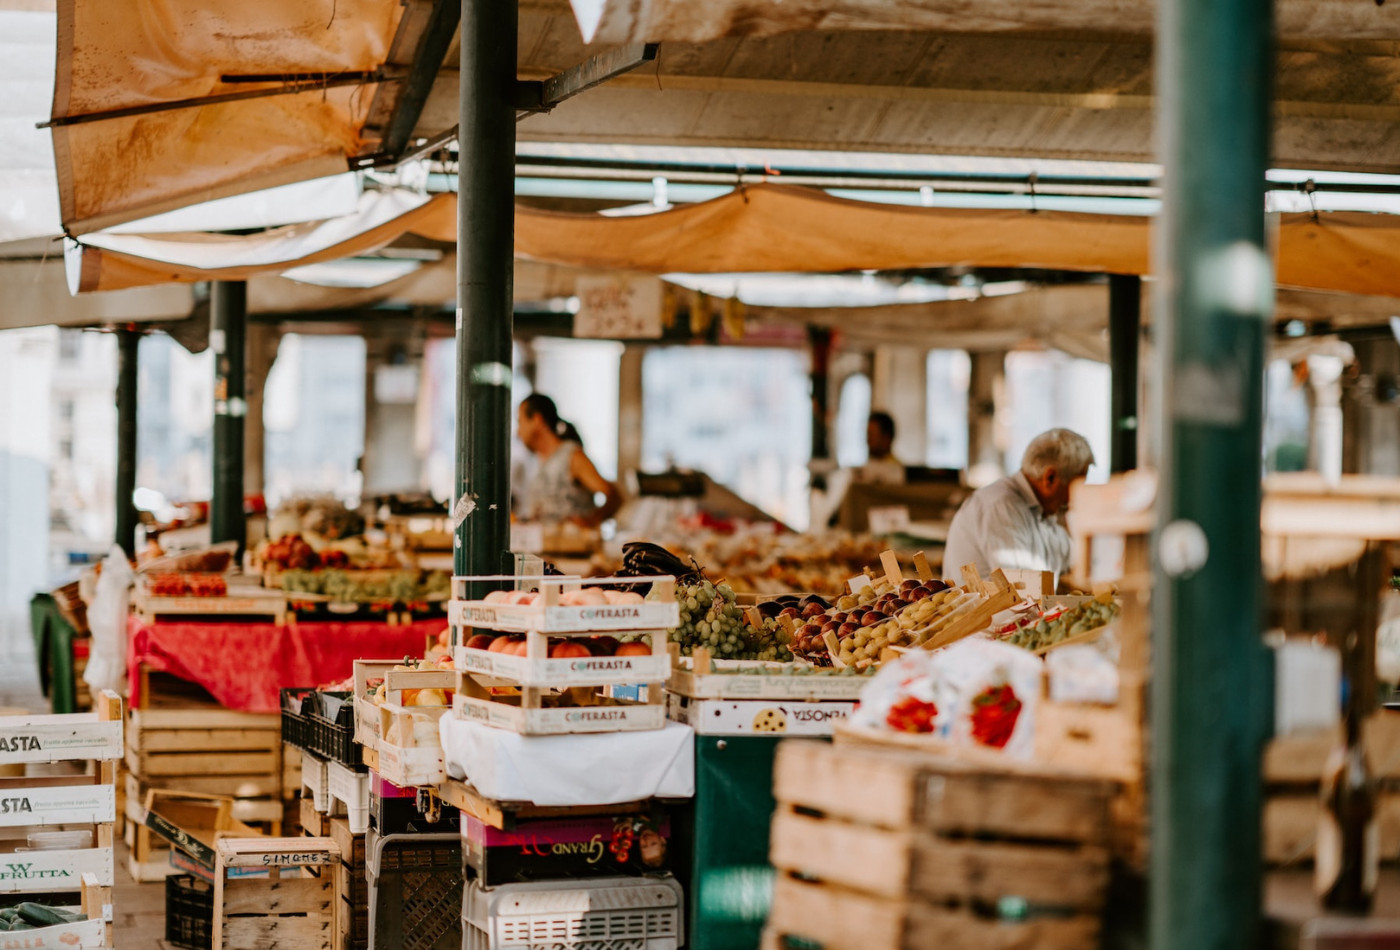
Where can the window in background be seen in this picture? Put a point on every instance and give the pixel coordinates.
(174, 420)
(949, 372)
(1286, 419)
(852, 416)
(740, 415)
(440, 391)
(1051, 389)
(314, 411)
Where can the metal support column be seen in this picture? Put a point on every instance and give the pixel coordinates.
(228, 316)
(485, 258)
(820, 339)
(128, 343)
(1124, 336)
(1211, 692)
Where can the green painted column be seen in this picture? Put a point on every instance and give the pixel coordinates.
(1124, 336)
(1211, 688)
(485, 260)
(128, 344)
(228, 316)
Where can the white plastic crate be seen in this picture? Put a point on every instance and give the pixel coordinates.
(622, 913)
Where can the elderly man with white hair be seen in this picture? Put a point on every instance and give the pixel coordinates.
(1017, 523)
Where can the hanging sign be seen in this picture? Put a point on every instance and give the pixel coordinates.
(618, 308)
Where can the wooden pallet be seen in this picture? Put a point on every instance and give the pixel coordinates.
(161, 743)
(945, 841)
(295, 906)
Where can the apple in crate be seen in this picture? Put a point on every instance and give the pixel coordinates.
(568, 650)
(481, 641)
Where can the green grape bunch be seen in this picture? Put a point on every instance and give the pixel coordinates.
(710, 617)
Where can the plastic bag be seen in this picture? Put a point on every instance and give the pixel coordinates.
(107, 615)
(977, 692)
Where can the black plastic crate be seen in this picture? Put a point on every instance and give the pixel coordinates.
(322, 723)
(415, 891)
(294, 729)
(189, 913)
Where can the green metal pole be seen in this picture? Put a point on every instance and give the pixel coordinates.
(485, 259)
(228, 316)
(1211, 692)
(128, 343)
(1124, 331)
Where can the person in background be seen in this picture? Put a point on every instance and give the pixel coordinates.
(881, 467)
(1018, 521)
(564, 482)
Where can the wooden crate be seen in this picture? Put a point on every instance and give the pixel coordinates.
(164, 743)
(148, 855)
(295, 906)
(921, 863)
(352, 921)
(1293, 767)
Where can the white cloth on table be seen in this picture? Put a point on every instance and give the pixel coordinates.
(605, 768)
(1003, 526)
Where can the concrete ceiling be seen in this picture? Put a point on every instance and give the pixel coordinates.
(1067, 94)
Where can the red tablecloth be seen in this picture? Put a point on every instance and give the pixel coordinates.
(245, 664)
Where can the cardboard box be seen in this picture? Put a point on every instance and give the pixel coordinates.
(548, 848)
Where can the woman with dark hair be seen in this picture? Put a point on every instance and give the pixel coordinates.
(565, 481)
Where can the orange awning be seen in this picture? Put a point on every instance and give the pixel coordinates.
(164, 103)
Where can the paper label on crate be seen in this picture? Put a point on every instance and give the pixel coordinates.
(36, 740)
(758, 717)
(64, 804)
(40, 871)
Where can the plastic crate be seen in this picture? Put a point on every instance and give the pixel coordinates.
(621, 913)
(322, 723)
(415, 891)
(189, 913)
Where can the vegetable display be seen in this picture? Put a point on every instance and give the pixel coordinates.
(352, 587)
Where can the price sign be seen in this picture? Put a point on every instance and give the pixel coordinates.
(618, 308)
(527, 538)
(890, 519)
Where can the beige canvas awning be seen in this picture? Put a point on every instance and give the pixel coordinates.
(164, 103)
(765, 228)
(627, 21)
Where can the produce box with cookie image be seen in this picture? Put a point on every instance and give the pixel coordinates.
(718, 717)
(550, 849)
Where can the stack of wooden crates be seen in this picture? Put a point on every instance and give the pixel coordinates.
(191, 746)
(895, 850)
(352, 884)
(52, 798)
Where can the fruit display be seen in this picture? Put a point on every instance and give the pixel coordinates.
(368, 587)
(876, 616)
(1057, 625)
(319, 516)
(186, 585)
(760, 561)
(710, 617)
(561, 648)
(291, 552)
(378, 688)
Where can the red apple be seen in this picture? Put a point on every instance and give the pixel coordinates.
(481, 641)
(568, 649)
(635, 648)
